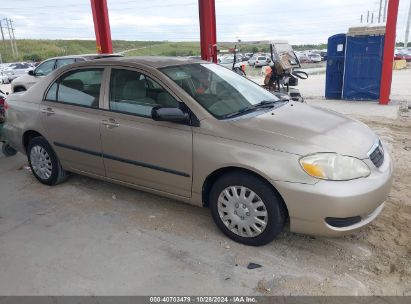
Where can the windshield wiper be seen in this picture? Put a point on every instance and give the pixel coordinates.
(262, 104)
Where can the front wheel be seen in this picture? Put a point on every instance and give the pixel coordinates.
(247, 209)
(44, 162)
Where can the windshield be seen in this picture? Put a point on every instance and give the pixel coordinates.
(219, 90)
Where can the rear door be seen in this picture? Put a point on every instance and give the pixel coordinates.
(137, 149)
(72, 116)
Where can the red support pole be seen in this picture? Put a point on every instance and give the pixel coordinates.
(101, 26)
(389, 46)
(208, 35)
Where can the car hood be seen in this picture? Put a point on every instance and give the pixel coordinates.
(302, 129)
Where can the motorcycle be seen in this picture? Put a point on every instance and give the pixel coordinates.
(284, 75)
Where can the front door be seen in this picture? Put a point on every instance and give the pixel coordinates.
(71, 118)
(137, 149)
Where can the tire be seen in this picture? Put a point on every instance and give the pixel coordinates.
(8, 150)
(274, 208)
(48, 169)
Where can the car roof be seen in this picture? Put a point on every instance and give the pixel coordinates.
(152, 61)
(87, 56)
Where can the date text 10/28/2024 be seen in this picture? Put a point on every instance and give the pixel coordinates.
(203, 299)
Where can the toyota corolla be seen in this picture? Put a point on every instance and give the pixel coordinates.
(197, 132)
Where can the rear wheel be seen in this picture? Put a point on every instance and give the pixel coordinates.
(8, 150)
(19, 89)
(247, 209)
(44, 162)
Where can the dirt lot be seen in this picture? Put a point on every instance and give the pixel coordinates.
(92, 238)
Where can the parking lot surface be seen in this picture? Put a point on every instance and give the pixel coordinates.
(87, 237)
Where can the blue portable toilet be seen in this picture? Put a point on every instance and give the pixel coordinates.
(335, 66)
(363, 66)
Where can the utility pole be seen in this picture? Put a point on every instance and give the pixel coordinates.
(11, 40)
(14, 38)
(385, 11)
(379, 12)
(407, 27)
(2, 34)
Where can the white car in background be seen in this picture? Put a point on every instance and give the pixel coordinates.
(228, 62)
(315, 57)
(304, 57)
(259, 60)
(47, 66)
(17, 69)
(3, 78)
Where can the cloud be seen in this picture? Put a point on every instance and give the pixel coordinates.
(117, 20)
(299, 21)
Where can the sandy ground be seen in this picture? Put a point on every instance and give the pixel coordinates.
(87, 237)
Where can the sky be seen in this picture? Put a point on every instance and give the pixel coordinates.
(298, 21)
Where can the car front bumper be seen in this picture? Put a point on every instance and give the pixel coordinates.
(310, 205)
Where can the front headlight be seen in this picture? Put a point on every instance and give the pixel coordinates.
(332, 166)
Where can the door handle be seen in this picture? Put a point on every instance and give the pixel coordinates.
(48, 111)
(111, 123)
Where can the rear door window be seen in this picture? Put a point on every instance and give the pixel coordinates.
(80, 87)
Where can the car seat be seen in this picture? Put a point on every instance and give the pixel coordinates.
(135, 90)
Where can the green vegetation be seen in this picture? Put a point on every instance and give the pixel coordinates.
(41, 49)
(168, 49)
(37, 50)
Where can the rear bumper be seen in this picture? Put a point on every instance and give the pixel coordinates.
(310, 205)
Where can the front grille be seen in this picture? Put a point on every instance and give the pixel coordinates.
(377, 155)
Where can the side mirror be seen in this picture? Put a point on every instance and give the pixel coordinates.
(169, 114)
(31, 72)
